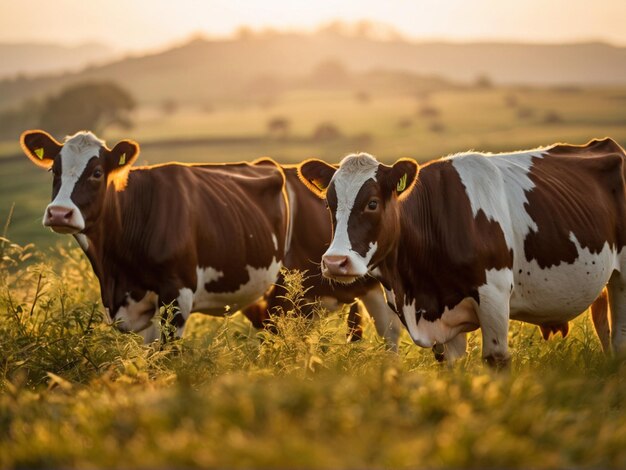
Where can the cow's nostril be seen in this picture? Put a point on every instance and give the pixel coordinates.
(68, 214)
(343, 263)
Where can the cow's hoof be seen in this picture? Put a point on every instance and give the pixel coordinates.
(440, 352)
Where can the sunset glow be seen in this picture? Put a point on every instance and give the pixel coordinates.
(144, 24)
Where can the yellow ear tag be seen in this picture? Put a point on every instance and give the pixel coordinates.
(318, 184)
(39, 153)
(401, 184)
(122, 159)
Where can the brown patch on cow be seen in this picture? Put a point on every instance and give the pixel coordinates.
(443, 251)
(172, 218)
(578, 190)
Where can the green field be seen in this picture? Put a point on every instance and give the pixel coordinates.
(75, 393)
(469, 118)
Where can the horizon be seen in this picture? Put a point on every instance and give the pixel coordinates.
(126, 27)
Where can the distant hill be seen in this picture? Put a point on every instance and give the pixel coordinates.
(208, 70)
(36, 59)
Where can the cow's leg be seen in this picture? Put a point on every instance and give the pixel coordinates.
(184, 302)
(150, 334)
(600, 317)
(617, 304)
(386, 321)
(355, 329)
(455, 348)
(493, 316)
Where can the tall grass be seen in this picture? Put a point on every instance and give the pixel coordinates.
(76, 393)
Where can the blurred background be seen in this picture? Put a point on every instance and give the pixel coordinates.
(217, 81)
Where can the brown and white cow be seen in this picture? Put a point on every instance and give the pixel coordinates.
(200, 236)
(307, 241)
(479, 239)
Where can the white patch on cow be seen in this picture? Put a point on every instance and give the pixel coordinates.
(185, 301)
(410, 318)
(293, 207)
(561, 292)
(75, 154)
(493, 312)
(390, 296)
(204, 275)
(82, 240)
(455, 348)
(454, 321)
(275, 241)
(497, 185)
(354, 171)
(260, 280)
(185, 304)
(137, 315)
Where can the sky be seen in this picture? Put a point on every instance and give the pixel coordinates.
(149, 24)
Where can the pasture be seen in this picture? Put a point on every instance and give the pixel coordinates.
(76, 393)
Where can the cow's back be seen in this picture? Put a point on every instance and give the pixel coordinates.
(562, 211)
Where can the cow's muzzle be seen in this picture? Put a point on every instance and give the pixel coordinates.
(62, 219)
(339, 268)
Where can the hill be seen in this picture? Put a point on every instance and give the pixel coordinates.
(36, 59)
(208, 70)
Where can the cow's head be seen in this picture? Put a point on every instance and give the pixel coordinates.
(82, 167)
(362, 196)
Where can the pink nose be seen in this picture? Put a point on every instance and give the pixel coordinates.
(336, 265)
(58, 216)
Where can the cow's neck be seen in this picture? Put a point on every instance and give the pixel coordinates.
(112, 240)
(423, 264)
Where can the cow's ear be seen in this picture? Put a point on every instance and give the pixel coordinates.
(400, 178)
(121, 156)
(316, 175)
(40, 147)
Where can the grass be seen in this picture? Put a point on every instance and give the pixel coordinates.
(75, 393)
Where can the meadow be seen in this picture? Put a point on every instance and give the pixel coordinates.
(75, 393)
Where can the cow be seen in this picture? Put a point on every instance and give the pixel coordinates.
(204, 238)
(308, 239)
(473, 240)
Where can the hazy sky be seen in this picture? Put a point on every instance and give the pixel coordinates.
(136, 24)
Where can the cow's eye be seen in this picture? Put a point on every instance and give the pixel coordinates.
(372, 205)
(97, 173)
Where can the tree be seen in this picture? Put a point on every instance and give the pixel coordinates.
(279, 127)
(87, 106)
(326, 131)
